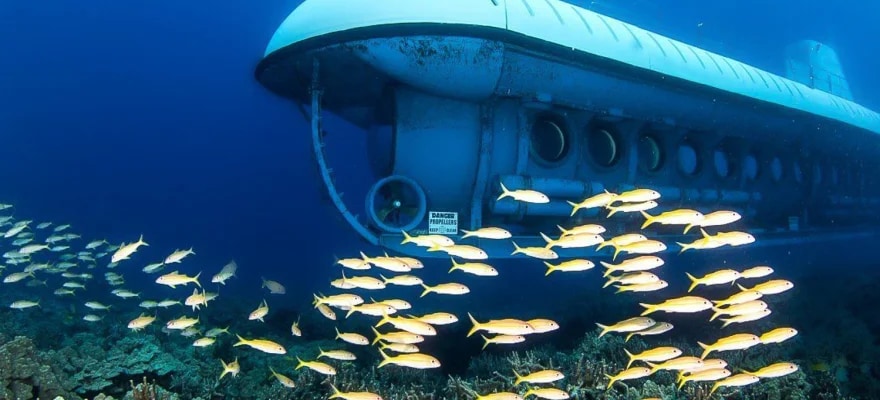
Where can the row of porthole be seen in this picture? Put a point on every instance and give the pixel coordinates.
(550, 143)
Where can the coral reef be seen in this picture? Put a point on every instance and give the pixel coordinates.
(26, 374)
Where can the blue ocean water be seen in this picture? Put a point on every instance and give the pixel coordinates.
(124, 119)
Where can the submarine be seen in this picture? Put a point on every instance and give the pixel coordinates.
(460, 97)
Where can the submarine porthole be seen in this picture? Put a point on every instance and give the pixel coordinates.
(797, 172)
(817, 174)
(549, 140)
(750, 167)
(834, 175)
(687, 158)
(776, 169)
(650, 155)
(721, 163)
(603, 147)
(396, 203)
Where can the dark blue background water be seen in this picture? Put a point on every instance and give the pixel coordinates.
(126, 118)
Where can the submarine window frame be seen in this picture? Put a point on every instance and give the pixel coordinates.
(777, 169)
(558, 127)
(752, 166)
(657, 158)
(609, 152)
(683, 145)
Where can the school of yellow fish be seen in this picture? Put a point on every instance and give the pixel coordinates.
(399, 346)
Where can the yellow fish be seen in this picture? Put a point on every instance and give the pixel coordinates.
(125, 251)
(548, 393)
(499, 396)
(353, 395)
(232, 368)
(175, 279)
(637, 196)
(282, 379)
(411, 360)
(569, 266)
(622, 240)
(686, 304)
(632, 278)
(675, 217)
(437, 318)
(578, 241)
(716, 218)
(656, 354)
(656, 329)
(778, 335)
(541, 253)
(630, 207)
(712, 374)
(464, 251)
(503, 339)
(353, 338)
(599, 200)
(577, 230)
(316, 366)
(756, 272)
(735, 381)
(720, 277)
(640, 263)
(266, 346)
(677, 364)
(523, 195)
(508, 326)
(398, 337)
(740, 341)
(543, 325)
(445, 288)
(427, 240)
(627, 374)
(739, 298)
(643, 247)
(474, 268)
(775, 286)
(341, 355)
(740, 309)
(141, 322)
(487, 233)
(543, 376)
(408, 324)
(775, 370)
(628, 325)
(642, 287)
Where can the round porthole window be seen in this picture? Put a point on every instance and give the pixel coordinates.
(549, 140)
(776, 169)
(687, 158)
(650, 155)
(603, 147)
(750, 167)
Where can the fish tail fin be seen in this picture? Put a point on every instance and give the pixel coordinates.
(727, 321)
(608, 268)
(616, 252)
(406, 237)
(688, 227)
(631, 358)
(608, 282)
(426, 291)
(574, 207)
(648, 219)
(562, 231)
(518, 379)
(706, 350)
(604, 329)
(714, 388)
(241, 341)
(613, 211)
(434, 247)
(741, 287)
(648, 309)
(684, 247)
(300, 363)
(516, 248)
(681, 383)
(620, 289)
(336, 392)
(378, 336)
(384, 319)
(718, 313)
(605, 243)
(196, 279)
(504, 192)
(703, 232)
(486, 342)
(610, 382)
(550, 268)
(467, 234)
(454, 264)
(546, 238)
(385, 359)
(350, 311)
(364, 257)
(476, 325)
(628, 337)
(694, 281)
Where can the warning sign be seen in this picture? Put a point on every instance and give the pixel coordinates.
(442, 223)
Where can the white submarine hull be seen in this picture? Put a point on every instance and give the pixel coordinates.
(541, 94)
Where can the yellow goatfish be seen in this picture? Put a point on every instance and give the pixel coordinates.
(749, 307)
(175, 279)
(627, 374)
(543, 376)
(640, 263)
(503, 339)
(541, 253)
(622, 240)
(474, 268)
(427, 240)
(637, 196)
(599, 200)
(487, 233)
(656, 329)
(775, 286)
(125, 251)
(569, 266)
(738, 380)
(266, 346)
(657, 354)
(630, 207)
(548, 393)
(411, 360)
(317, 366)
(465, 251)
(675, 217)
(445, 288)
(686, 304)
(507, 326)
(739, 298)
(778, 335)
(677, 364)
(627, 325)
(756, 272)
(643, 247)
(740, 341)
(577, 230)
(523, 195)
(775, 370)
(720, 277)
(353, 395)
(232, 368)
(712, 374)
(282, 379)
(716, 218)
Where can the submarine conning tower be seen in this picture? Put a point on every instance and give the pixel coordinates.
(458, 96)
